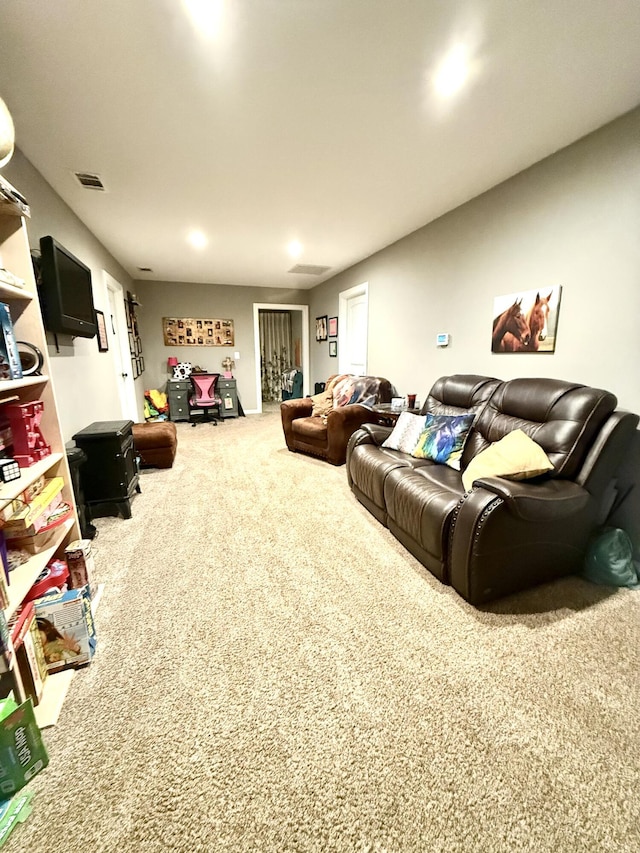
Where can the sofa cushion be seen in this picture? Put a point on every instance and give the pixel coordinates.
(514, 457)
(443, 438)
(310, 428)
(421, 502)
(322, 403)
(406, 432)
(562, 417)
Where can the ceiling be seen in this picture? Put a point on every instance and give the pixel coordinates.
(307, 120)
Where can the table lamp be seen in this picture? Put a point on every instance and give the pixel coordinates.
(172, 362)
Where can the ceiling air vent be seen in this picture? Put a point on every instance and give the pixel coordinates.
(145, 269)
(309, 269)
(90, 181)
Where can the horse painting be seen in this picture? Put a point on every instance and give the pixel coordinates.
(536, 318)
(513, 323)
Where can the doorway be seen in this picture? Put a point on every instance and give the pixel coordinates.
(353, 319)
(302, 314)
(119, 346)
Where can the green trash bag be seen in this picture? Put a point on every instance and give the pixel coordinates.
(609, 560)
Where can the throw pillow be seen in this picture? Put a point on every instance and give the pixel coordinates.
(322, 403)
(443, 438)
(514, 457)
(406, 432)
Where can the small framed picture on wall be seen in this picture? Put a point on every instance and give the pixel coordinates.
(333, 349)
(333, 327)
(103, 340)
(321, 328)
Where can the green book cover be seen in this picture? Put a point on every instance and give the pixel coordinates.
(22, 752)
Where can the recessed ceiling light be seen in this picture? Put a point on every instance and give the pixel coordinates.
(452, 73)
(206, 15)
(295, 248)
(197, 239)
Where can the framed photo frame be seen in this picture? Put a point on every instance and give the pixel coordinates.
(198, 332)
(103, 340)
(333, 327)
(333, 349)
(321, 328)
(526, 321)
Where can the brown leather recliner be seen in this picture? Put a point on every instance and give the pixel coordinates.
(327, 436)
(501, 536)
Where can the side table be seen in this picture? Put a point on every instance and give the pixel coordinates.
(109, 476)
(388, 414)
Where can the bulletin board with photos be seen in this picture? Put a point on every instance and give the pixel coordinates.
(187, 331)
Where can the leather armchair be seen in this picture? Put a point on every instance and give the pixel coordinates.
(326, 437)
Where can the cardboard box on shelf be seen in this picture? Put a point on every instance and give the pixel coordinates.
(80, 562)
(34, 544)
(28, 647)
(66, 627)
(14, 811)
(22, 752)
(33, 516)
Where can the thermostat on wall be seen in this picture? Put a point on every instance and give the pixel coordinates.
(442, 339)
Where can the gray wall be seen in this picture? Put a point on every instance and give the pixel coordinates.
(179, 299)
(571, 220)
(84, 379)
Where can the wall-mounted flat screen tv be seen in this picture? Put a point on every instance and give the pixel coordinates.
(66, 295)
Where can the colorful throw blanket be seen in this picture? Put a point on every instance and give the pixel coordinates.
(347, 389)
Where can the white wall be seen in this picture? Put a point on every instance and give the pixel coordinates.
(571, 220)
(84, 379)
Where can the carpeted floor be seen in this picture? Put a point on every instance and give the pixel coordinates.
(276, 673)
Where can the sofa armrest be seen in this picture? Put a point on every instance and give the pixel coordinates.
(551, 499)
(302, 407)
(374, 433)
(290, 410)
(341, 424)
(506, 536)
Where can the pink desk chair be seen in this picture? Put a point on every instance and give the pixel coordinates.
(204, 398)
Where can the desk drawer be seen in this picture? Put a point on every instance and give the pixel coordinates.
(229, 395)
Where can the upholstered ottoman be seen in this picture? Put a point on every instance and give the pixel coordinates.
(156, 443)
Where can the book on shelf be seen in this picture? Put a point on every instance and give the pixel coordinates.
(10, 363)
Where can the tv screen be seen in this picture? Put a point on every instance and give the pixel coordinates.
(66, 295)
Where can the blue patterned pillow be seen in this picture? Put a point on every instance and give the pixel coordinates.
(443, 438)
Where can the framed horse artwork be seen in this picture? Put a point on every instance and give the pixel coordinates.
(526, 321)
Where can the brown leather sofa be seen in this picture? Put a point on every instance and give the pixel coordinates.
(326, 436)
(502, 535)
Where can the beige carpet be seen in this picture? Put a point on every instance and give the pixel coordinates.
(276, 673)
